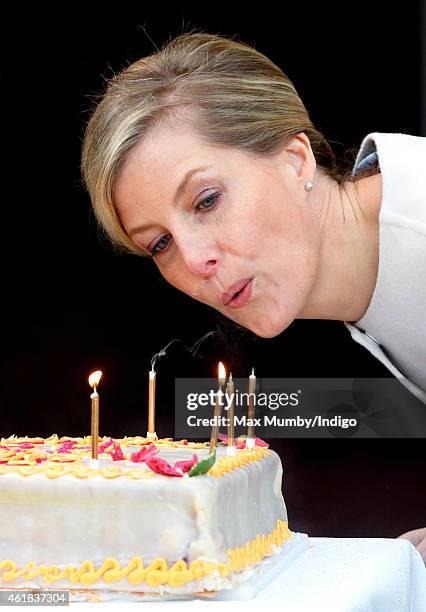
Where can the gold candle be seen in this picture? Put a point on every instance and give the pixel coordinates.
(250, 415)
(218, 407)
(151, 405)
(230, 392)
(94, 379)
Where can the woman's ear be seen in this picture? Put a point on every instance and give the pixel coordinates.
(300, 156)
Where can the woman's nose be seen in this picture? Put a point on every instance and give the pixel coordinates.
(201, 265)
(200, 258)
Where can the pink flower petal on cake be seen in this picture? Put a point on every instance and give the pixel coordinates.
(161, 466)
(260, 442)
(144, 453)
(185, 466)
(105, 445)
(117, 453)
(66, 446)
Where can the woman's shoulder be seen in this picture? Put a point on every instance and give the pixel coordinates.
(376, 144)
(402, 160)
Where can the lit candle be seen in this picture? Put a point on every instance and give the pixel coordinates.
(94, 379)
(250, 440)
(151, 406)
(218, 407)
(230, 393)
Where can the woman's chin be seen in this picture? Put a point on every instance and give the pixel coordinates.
(267, 334)
(268, 329)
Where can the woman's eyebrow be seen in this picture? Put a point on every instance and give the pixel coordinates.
(178, 194)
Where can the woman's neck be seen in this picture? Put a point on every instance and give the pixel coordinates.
(349, 251)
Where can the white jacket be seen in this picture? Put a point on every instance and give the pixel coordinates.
(393, 327)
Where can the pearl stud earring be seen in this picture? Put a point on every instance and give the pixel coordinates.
(309, 186)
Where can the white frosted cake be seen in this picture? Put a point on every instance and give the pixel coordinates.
(141, 520)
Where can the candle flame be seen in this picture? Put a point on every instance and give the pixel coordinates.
(94, 378)
(221, 372)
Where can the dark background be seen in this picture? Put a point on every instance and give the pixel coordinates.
(70, 305)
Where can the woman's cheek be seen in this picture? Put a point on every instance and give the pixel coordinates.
(186, 283)
(172, 275)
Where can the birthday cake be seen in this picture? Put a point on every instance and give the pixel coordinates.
(148, 517)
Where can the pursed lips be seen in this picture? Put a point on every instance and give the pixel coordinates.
(235, 289)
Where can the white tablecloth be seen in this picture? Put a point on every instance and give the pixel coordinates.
(332, 575)
(348, 575)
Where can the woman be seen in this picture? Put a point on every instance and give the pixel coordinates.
(203, 157)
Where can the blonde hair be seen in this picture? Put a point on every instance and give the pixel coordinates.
(236, 96)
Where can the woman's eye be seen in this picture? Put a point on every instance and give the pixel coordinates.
(205, 204)
(208, 202)
(160, 245)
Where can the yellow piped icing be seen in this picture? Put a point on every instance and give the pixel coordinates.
(24, 462)
(157, 572)
(87, 440)
(79, 471)
(243, 456)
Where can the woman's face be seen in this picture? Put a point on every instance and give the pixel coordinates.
(241, 218)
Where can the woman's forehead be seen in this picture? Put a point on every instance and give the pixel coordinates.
(162, 161)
